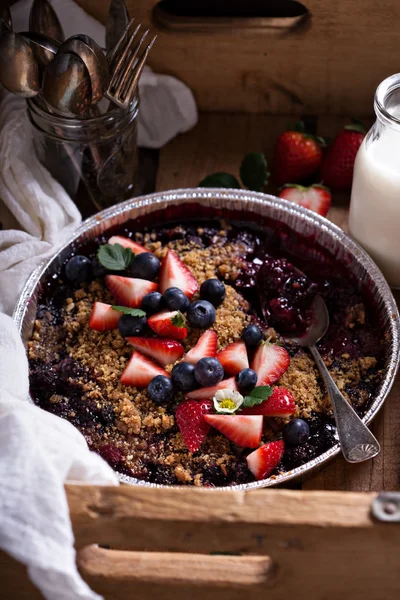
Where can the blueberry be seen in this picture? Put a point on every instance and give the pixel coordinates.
(296, 432)
(201, 314)
(208, 371)
(97, 268)
(213, 290)
(145, 266)
(78, 269)
(129, 325)
(160, 389)
(183, 378)
(252, 335)
(152, 303)
(246, 380)
(175, 299)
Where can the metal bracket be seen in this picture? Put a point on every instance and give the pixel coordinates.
(386, 507)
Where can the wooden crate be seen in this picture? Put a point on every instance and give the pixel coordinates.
(278, 544)
(327, 63)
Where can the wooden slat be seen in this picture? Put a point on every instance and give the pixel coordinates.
(329, 65)
(170, 576)
(319, 544)
(217, 143)
(317, 541)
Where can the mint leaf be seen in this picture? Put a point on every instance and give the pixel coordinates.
(254, 172)
(115, 257)
(178, 320)
(220, 180)
(257, 396)
(133, 312)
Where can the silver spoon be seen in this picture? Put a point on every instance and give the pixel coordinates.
(93, 57)
(43, 19)
(19, 68)
(66, 85)
(356, 440)
(41, 40)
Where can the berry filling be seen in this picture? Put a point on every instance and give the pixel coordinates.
(164, 347)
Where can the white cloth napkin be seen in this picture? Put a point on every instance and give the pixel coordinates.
(39, 452)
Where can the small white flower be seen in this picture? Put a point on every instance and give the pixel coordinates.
(227, 401)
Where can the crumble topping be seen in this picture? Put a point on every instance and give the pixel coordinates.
(137, 436)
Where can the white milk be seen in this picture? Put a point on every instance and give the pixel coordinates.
(375, 198)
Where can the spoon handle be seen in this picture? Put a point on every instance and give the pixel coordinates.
(356, 440)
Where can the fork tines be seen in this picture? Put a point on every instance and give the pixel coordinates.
(126, 61)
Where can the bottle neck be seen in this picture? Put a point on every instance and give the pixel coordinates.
(387, 102)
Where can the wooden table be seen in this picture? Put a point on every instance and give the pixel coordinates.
(218, 143)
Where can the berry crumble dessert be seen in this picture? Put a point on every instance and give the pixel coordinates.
(168, 348)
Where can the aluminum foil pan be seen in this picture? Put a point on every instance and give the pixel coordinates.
(252, 206)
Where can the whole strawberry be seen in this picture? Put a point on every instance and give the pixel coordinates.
(337, 168)
(298, 155)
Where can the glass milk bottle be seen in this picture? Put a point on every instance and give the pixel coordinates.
(375, 197)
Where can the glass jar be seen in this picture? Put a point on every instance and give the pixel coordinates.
(374, 219)
(95, 159)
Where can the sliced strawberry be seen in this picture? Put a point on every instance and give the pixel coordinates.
(315, 197)
(103, 317)
(174, 273)
(264, 460)
(281, 403)
(169, 324)
(270, 362)
(190, 420)
(234, 358)
(140, 370)
(129, 291)
(208, 392)
(127, 243)
(206, 346)
(242, 430)
(164, 351)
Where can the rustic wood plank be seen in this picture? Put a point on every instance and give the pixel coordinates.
(320, 545)
(318, 541)
(115, 574)
(217, 143)
(15, 584)
(301, 70)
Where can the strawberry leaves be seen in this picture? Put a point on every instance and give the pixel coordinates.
(178, 320)
(257, 396)
(253, 173)
(220, 180)
(133, 312)
(115, 257)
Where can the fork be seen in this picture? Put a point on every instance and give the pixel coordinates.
(126, 62)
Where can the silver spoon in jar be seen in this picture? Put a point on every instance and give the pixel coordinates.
(95, 61)
(356, 440)
(66, 85)
(19, 68)
(43, 19)
(42, 41)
